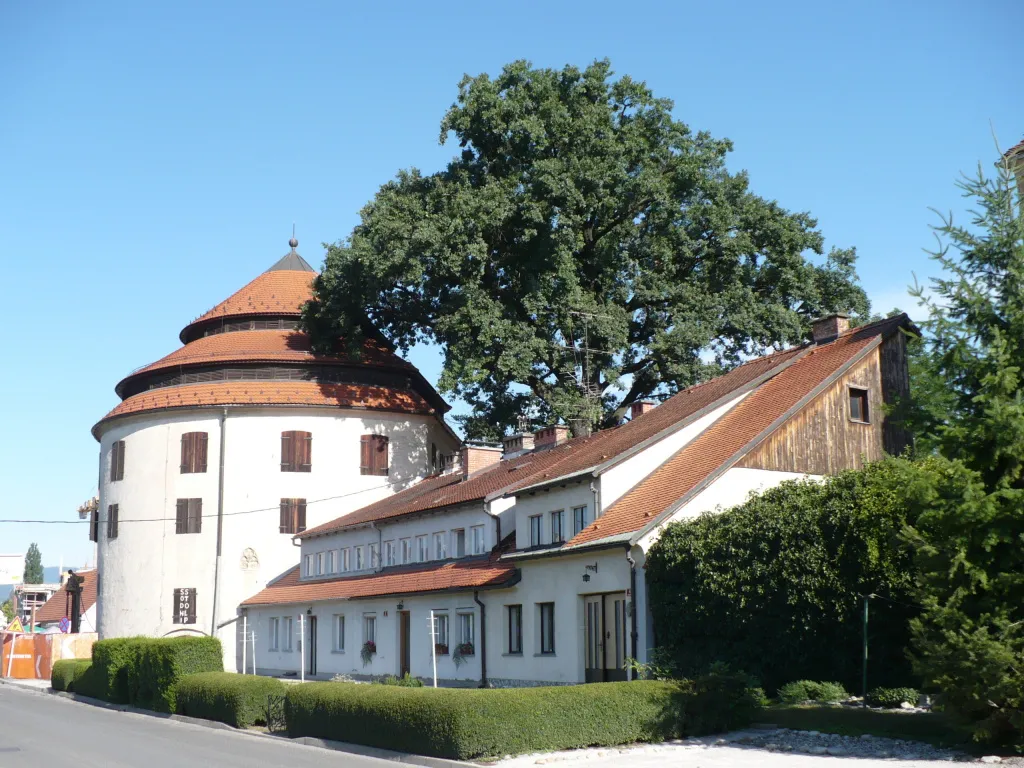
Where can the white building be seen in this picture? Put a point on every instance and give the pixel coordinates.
(223, 450)
(531, 557)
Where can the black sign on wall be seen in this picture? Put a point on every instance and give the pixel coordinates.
(185, 606)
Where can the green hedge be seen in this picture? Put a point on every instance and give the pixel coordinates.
(67, 672)
(892, 698)
(800, 691)
(143, 671)
(465, 724)
(238, 700)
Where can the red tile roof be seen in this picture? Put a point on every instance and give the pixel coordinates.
(572, 456)
(470, 573)
(724, 441)
(297, 393)
(277, 292)
(59, 604)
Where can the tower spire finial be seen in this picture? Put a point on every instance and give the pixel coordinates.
(293, 242)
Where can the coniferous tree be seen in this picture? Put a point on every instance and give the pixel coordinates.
(33, 565)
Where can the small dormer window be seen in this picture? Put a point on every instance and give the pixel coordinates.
(859, 405)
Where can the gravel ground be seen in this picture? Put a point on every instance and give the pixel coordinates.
(777, 748)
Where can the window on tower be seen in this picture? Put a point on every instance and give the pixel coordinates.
(296, 451)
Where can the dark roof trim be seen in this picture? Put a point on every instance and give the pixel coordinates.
(731, 461)
(581, 549)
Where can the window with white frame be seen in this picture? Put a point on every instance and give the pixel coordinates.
(459, 542)
(558, 526)
(422, 551)
(360, 563)
(329, 566)
(406, 551)
(389, 553)
(535, 524)
(307, 565)
(370, 628)
(440, 548)
(286, 633)
(319, 563)
(275, 633)
(477, 532)
(374, 555)
(579, 519)
(547, 627)
(441, 633)
(339, 633)
(467, 628)
(346, 560)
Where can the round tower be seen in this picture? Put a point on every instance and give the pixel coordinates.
(224, 449)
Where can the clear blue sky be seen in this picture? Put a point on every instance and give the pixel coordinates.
(153, 156)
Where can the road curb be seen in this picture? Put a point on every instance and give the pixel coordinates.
(309, 741)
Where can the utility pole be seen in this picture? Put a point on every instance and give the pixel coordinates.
(864, 669)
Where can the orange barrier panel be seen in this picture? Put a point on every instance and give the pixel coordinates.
(31, 656)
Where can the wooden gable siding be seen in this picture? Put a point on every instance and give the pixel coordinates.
(820, 439)
(895, 388)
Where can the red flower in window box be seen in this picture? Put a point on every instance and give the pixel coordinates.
(441, 649)
(368, 651)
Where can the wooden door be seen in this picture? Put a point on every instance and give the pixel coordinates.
(404, 653)
(311, 645)
(615, 646)
(593, 639)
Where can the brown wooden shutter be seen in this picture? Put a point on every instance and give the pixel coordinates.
(304, 445)
(201, 440)
(287, 451)
(112, 521)
(300, 515)
(117, 461)
(366, 455)
(181, 518)
(186, 452)
(195, 515)
(94, 525)
(285, 515)
(380, 455)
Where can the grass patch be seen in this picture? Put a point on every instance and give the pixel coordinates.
(935, 728)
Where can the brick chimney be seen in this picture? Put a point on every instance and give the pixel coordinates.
(516, 445)
(549, 437)
(828, 328)
(640, 407)
(473, 458)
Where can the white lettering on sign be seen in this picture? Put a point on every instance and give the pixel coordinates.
(184, 606)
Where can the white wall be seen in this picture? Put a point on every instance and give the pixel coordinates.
(148, 560)
(543, 502)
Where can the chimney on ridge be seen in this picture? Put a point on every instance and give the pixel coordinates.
(828, 328)
(549, 437)
(640, 407)
(474, 458)
(516, 445)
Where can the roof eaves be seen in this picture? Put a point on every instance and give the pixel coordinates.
(509, 490)
(609, 542)
(731, 461)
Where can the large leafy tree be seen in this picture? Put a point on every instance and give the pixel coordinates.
(583, 250)
(33, 573)
(970, 641)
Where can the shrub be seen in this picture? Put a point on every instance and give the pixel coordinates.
(67, 672)
(162, 662)
(113, 661)
(809, 690)
(891, 698)
(465, 724)
(408, 681)
(238, 700)
(772, 587)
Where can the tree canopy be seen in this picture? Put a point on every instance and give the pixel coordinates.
(583, 250)
(33, 573)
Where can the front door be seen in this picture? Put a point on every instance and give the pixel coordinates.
(403, 643)
(605, 637)
(311, 645)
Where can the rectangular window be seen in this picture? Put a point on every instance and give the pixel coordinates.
(339, 633)
(579, 519)
(422, 551)
(389, 553)
(329, 565)
(859, 405)
(293, 516)
(360, 564)
(515, 628)
(370, 629)
(320, 564)
(346, 562)
(373, 455)
(547, 627)
(406, 551)
(459, 542)
(286, 633)
(558, 526)
(296, 451)
(307, 565)
(189, 517)
(193, 453)
(466, 628)
(440, 546)
(275, 633)
(478, 539)
(433, 459)
(535, 524)
(441, 633)
(374, 555)
(117, 461)
(112, 514)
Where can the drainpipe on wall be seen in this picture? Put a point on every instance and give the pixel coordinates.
(220, 522)
(632, 604)
(483, 639)
(596, 490)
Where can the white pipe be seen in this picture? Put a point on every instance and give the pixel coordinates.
(433, 645)
(245, 638)
(302, 648)
(254, 651)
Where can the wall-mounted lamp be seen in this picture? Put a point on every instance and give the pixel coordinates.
(400, 605)
(586, 576)
(309, 611)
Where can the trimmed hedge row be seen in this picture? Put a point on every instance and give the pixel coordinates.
(238, 700)
(66, 673)
(143, 671)
(464, 724)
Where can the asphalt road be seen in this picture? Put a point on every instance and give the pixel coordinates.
(40, 729)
